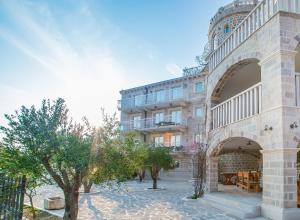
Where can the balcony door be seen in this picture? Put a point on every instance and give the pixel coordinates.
(175, 140)
(176, 92)
(136, 122)
(160, 96)
(158, 117)
(158, 140)
(139, 100)
(176, 117)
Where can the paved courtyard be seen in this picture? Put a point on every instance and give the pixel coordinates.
(135, 201)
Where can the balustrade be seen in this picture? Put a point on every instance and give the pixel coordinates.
(239, 107)
(260, 15)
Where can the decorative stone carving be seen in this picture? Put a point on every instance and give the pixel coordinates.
(54, 203)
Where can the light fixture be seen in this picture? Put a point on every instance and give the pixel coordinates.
(294, 125)
(268, 128)
(249, 143)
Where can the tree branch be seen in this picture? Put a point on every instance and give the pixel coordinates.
(54, 175)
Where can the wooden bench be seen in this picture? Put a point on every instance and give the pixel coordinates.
(249, 181)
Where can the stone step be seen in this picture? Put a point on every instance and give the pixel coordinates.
(235, 207)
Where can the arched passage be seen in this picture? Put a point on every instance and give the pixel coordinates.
(236, 162)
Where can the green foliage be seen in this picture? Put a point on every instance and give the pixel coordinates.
(160, 157)
(119, 159)
(45, 139)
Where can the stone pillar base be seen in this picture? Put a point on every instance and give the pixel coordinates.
(277, 213)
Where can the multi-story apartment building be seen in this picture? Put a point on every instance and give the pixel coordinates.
(245, 105)
(169, 113)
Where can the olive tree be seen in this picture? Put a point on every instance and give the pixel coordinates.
(158, 158)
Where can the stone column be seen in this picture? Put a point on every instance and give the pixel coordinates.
(280, 184)
(212, 174)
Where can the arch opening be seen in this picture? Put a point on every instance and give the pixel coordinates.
(237, 95)
(238, 78)
(240, 166)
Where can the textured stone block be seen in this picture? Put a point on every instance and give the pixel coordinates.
(54, 203)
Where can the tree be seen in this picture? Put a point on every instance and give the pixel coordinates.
(48, 137)
(158, 158)
(69, 152)
(103, 137)
(120, 159)
(199, 171)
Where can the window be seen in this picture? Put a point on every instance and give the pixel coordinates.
(199, 112)
(176, 117)
(138, 100)
(176, 93)
(136, 121)
(227, 29)
(159, 117)
(175, 140)
(159, 140)
(160, 96)
(199, 87)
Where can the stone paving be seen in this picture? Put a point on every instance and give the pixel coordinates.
(135, 201)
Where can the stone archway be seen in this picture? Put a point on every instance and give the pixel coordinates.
(241, 153)
(242, 75)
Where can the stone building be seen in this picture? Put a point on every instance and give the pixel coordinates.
(168, 113)
(250, 102)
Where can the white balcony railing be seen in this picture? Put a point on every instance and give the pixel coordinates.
(152, 123)
(153, 99)
(260, 15)
(239, 107)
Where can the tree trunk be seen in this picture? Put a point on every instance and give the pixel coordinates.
(154, 175)
(32, 206)
(71, 208)
(141, 175)
(155, 183)
(87, 185)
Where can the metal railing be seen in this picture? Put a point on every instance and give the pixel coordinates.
(153, 99)
(259, 16)
(11, 197)
(238, 107)
(153, 123)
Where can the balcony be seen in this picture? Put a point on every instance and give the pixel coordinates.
(174, 147)
(239, 107)
(258, 17)
(156, 100)
(154, 125)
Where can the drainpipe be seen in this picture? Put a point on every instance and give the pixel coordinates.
(145, 112)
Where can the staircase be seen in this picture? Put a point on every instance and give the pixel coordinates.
(239, 204)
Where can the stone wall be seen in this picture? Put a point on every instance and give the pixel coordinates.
(234, 162)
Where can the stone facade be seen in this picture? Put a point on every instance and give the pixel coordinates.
(193, 125)
(268, 39)
(227, 19)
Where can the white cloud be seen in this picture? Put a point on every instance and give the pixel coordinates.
(174, 69)
(90, 74)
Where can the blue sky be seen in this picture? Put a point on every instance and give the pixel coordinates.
(86, 51)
